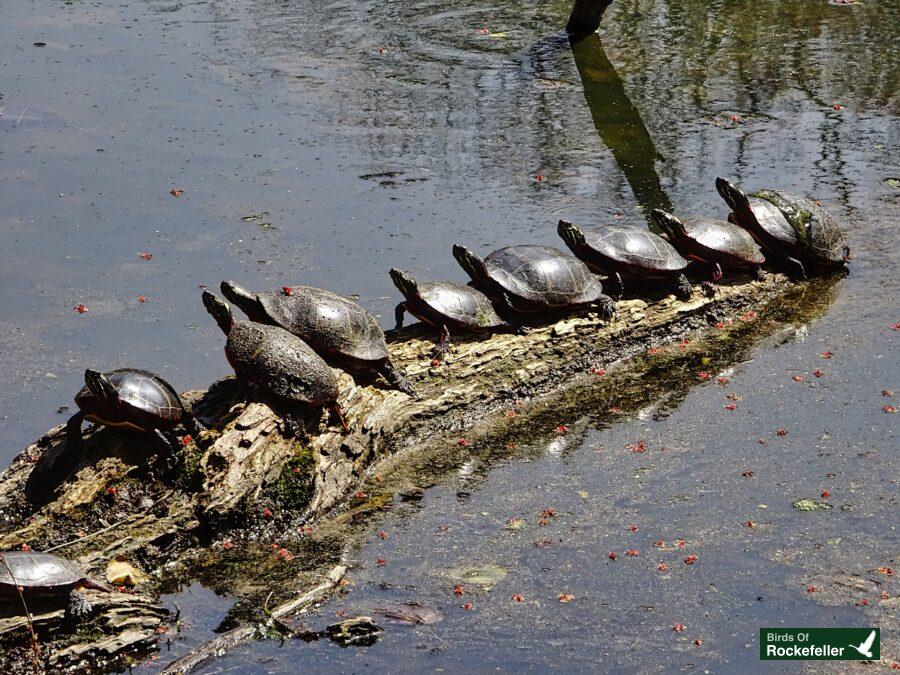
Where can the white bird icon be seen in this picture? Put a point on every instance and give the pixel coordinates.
(865, 648)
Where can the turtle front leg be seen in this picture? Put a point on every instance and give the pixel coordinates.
(760, 274)
(618, 286)
(443, 345)
(709, 289)
(193, 425)
(399, 310)
(394, 378)
(717, 273)
(606, 306)
(335, 409)
(78, 609)
(795, 267)
(683, 288)
(74, 439)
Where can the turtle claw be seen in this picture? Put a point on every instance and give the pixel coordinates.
(684, 291)
(709, 289)
(443, 345)
(78, 609)
(606, 307)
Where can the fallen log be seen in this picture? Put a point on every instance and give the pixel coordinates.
(247, 472)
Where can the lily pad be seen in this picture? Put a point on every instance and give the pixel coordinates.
(810, 505)
(479, 575)
(893, 182)
(411, 613)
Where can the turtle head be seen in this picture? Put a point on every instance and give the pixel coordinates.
(219, 310)
(571, 234)
(669, 223)
(247, 301)
(404, 283)
(471, 263)
(100, 386)
(734, 197)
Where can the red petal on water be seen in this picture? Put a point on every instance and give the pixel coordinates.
(81, 309)
(518, 598)
(750, 524)
(484, 31)
(731, 406)
(632, 552)
(640, 446)
(458, 590)
(679, 627)
(382, 535)
(812, 589)
(826, 355)
(690, 560)
(287, 290)
(703, 376)
(895, 326)
(142, 298)
(818, 373)
(659, 544)
(145, 255)
(885, 570)
(613, 555)
(466, 605)
(662, 567)
(746, 474)
(888, 409)
(864, 602)
(797, 378)
(887, 393)
(825, 494)
(566, 597)
(176, 192)
(722, 381)
(698, 642)
(381, 562)
(838, 106)
(633, 528)
(782, 432)
(539, 177)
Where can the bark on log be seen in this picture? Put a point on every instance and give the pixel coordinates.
(248, 470)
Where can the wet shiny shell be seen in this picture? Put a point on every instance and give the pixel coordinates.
(726, 237)
(142, 390)
(543, 274)
(280, 363)
(330, 323)
(772, 220)
(462, 304)
(818, 232)
(635, 247)
(37, 570)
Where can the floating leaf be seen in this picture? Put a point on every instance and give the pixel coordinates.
(810, 505)
(479, 575)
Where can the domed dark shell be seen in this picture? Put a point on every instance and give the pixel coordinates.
(280, 363)
(461, 304)
(725, 237)
(818, 232)
(543, 275)
(32, 569)
(140, 390)
(630, 251)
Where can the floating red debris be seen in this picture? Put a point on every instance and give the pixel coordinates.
(457, 590)
(659, 544)
(825, 494)
(680, 542)
(826, 355)
(731, 406)
(812, 589)
(746, 474)
(895, 326)
(818, 373)
(690, 560)
(633, 528)
(887, 393)
(640, 446)
(566, 597)
(81, 309)
(864, 602)
(632, 552)
(797, 378)
(142, 298)
(662, 567)
(888, 409)
(484, 31)
(679, 627)
(613, 555)
(543, 522)
(548, 513)
(145, 256)
(466, 605)
(703, 376)
(722, 381)
(267, 512)
(186, 440)
(885, 570)
(782, 432)
(539, 177)
(176, 192)
(838, 106)
(750, 524)
(561, 429)
(733, 397)
(518, 598)
(381, 562)
(463, 442)
(698, 642)
(382, 535)
(287, 290)
(762, 441)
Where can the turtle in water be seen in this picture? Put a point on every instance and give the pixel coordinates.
(625, 251)
(444, 304)
(530, 278)
(795, 229)
(275, 363)
(129, 398)
(715, 243)
(44, 574)
(334, 326)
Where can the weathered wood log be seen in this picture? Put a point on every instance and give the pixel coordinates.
(248, 471)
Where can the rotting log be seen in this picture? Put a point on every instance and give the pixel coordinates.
(247, 471)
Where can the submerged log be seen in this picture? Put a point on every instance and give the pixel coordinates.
(249, 472)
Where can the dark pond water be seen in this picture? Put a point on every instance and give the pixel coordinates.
(277, 110)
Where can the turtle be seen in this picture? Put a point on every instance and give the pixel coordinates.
(531, 278)
(715, 243)
(627, 251)
(443, 304)
(129, 398)
(34, 573)
(275, 363)
(795, 229)
(336, 327)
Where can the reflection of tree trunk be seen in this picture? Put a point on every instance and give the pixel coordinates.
(619, 123)
(585, 17)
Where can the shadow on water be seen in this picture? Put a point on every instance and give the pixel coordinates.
(619, 123)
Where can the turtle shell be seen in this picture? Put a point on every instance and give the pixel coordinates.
(635, 250)
(31, 569)
(143, 395)
(819, 234)
(543, 275)
(280, 363)
(328, 322)
(724, 237)
(772, 221)
(461, 304)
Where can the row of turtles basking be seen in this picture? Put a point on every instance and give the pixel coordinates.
(285, 350)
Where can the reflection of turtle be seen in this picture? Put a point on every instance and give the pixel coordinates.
(331, 324)
(128, 398)
(44, 574)
(796, 229)
(625, 251)
(715, 243)
(532, 278)
(275, 362)
(444, 304)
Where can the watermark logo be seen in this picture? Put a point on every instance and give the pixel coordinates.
(820, 644)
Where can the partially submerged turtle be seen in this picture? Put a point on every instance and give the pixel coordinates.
(275, 363)
(532, 278)
(129, 398)
(625, 251)
(715, 243)
(44, 574)
(445, 304)
(796, 229)
(331, 324)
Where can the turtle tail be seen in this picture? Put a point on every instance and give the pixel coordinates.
(571, 234)
(471, 263)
